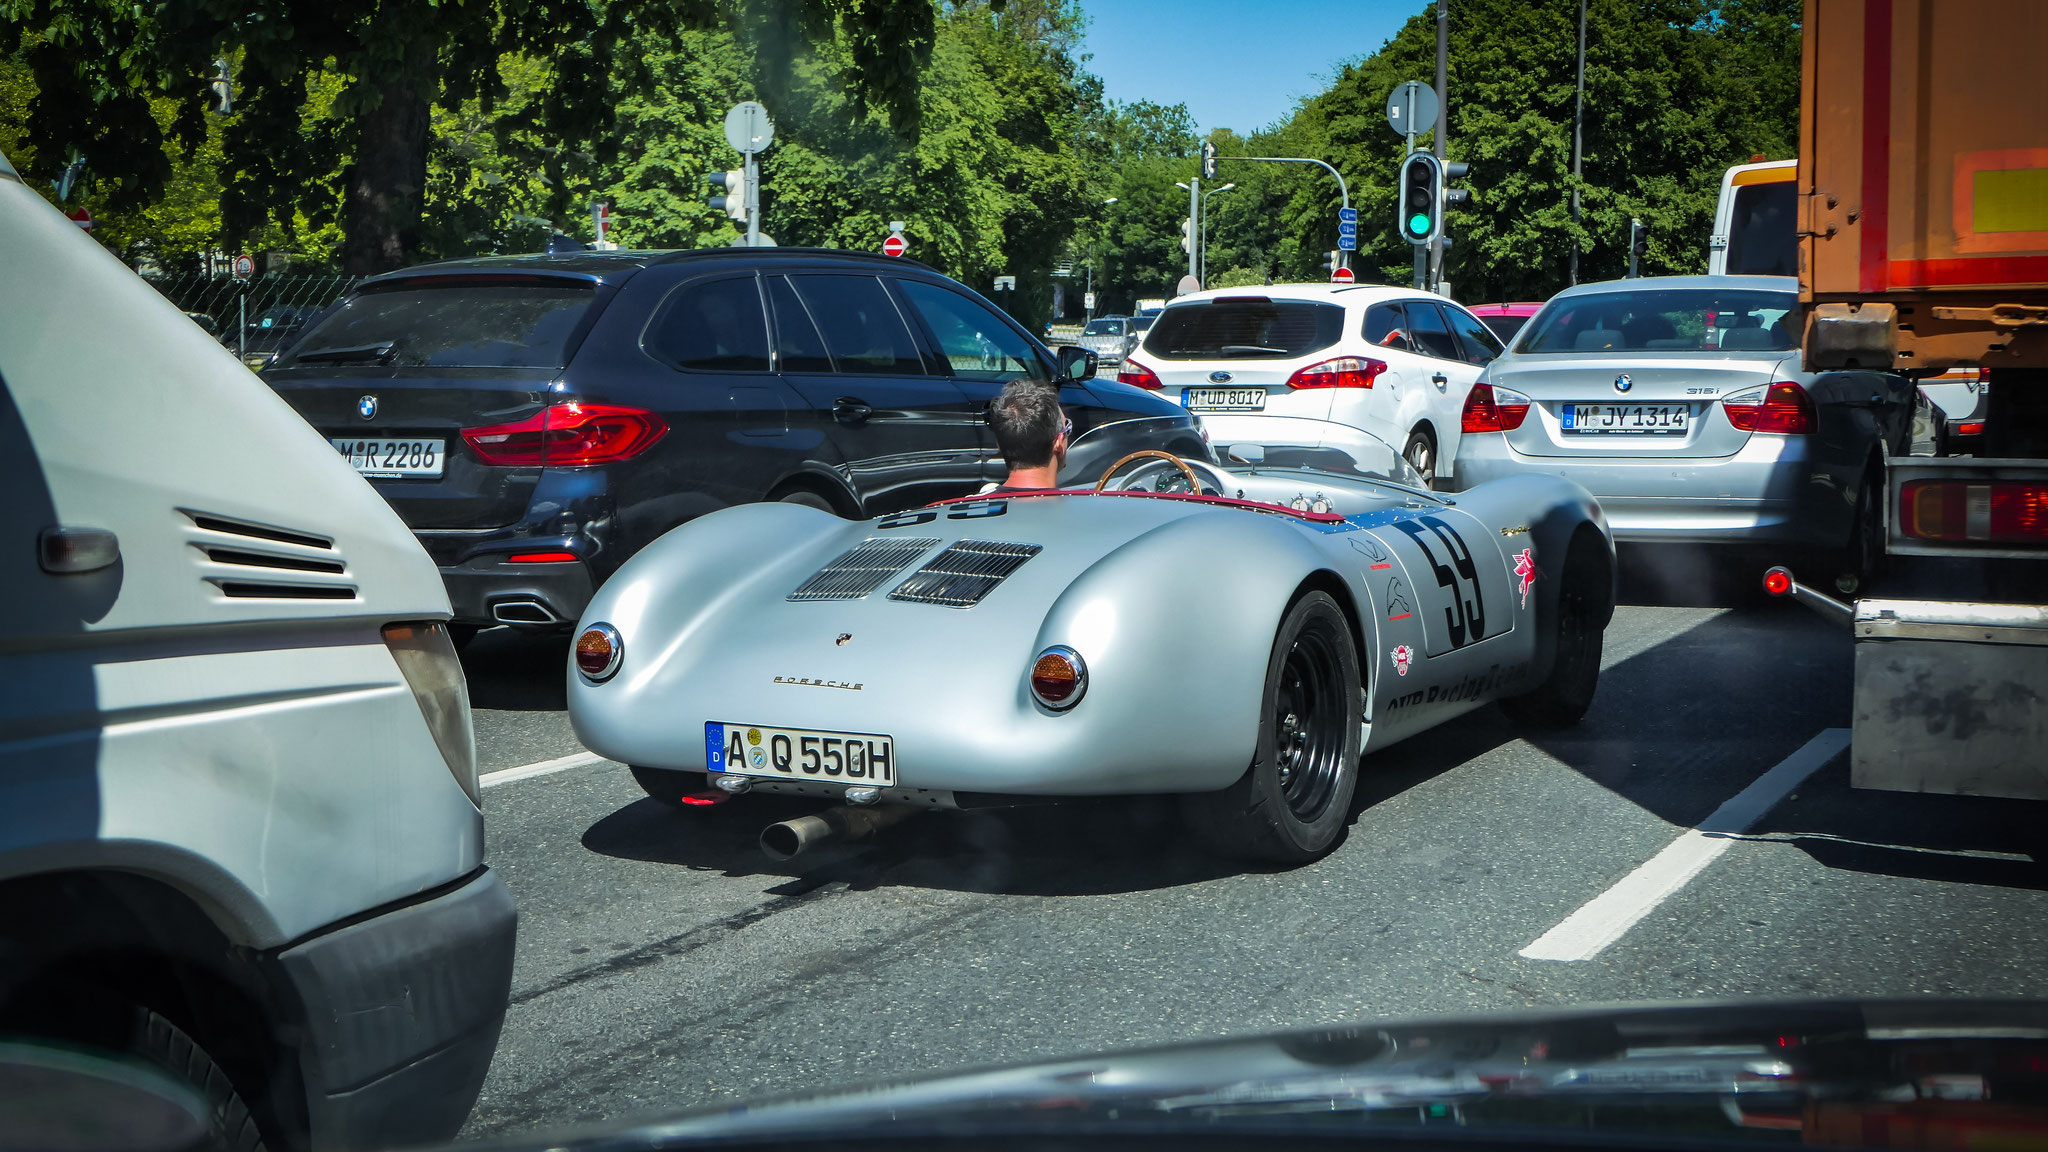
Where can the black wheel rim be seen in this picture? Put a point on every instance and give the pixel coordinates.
(1308, 723)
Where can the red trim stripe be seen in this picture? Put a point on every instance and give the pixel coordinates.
(1968, 271)
(1877, 144)
(1402, 616)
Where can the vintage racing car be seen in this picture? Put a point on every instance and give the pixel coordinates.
(1236, 630)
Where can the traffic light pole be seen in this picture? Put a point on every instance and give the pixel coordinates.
(1443, 120)
(1194, 214)
(753, 199)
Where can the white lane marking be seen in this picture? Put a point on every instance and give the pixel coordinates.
(543, 768)
(1607, 917)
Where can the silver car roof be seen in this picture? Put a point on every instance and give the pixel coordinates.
(1671, 283)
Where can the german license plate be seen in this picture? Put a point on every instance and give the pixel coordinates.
(1625, 419)
(1223, 399)
(800, 754)
(386, 458)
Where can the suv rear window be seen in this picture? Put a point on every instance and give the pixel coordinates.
(1244, 329)
(476, 323)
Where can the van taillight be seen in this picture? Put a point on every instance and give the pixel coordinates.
(1343, 372)
(1783, 408)
(1489, 411)
(567, 436)
(1975, 512)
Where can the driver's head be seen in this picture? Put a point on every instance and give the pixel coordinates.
(1029, 426)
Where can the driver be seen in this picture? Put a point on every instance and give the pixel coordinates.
(1032, 434)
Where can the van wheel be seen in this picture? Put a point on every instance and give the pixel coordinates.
(806, 498)
(1421, 455)
(1291, 805)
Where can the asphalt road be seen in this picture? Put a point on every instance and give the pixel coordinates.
(664, 963)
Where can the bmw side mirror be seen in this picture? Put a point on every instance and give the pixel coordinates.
(1076, 363)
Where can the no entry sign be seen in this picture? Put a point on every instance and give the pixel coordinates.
(895, 245)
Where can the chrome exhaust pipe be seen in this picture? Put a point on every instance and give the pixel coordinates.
(786, 840)
(523, 611)
(1779, 582)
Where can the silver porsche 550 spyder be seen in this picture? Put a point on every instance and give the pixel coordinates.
(1236, 630)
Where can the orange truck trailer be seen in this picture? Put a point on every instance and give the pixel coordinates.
(1923, 245)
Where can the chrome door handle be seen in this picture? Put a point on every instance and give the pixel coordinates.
(848, 410)
(1440, 380)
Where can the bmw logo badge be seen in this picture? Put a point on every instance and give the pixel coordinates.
(1219, 377)
(1621, 384)
(367, 407)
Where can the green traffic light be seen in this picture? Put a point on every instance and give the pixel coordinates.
(1418, 225)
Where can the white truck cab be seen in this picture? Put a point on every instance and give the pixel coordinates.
(239, 823)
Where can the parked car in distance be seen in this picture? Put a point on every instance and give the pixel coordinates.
(1505, 319)
(1104, 336)
(539, 419)
(1134, 334)
(1680, 402)
(240, 842)
(1394, 362)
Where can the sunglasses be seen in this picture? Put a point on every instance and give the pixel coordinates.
(1067, 427)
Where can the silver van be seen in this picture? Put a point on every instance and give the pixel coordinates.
(239, 830)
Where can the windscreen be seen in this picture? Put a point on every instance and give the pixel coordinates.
(1762, 237)
(1270, 442)
(1671, 320)
(1252, 328)
(476, 323)
(1103, 328)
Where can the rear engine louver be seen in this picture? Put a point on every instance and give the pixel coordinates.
(862, 568)
(964, 573)
(245, 561)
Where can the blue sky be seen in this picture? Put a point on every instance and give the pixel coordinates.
(1239, 64)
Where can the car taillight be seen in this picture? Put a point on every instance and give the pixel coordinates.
(1783, 408)
(1490, 409)
(1967, 428)
(1133, 372)
(599, 652)
(567, 436)
(542, 558)
(426, 658)
(1974, 511)
(1343, 372)
(1059, 677)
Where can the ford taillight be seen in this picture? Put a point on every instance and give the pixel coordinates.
(1490, 409)
(1343, 372)
(1783, 408)
(568, 435)
(1133, 372)
(1975, 511)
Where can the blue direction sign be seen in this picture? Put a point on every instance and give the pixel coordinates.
(1347, 230)
(1347, 215)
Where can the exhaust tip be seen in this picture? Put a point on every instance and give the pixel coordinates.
(526, 611)
(781, 842)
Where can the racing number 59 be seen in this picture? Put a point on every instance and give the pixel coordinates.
(1463, 616)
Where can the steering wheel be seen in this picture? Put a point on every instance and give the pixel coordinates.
(1194, 484)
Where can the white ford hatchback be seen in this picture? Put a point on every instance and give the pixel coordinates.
(1394, 362)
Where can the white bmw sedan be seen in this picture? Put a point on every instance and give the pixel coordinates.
(1394, 362)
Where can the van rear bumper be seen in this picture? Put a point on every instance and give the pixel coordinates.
(401, 1010)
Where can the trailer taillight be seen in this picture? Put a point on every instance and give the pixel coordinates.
(1975, 512)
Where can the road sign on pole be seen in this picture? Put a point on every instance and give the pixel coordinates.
(245, 267)
(1411, 109)
(749, 131)
(1342, 275)
(895, 245)
(81, 217)
(1006, 284)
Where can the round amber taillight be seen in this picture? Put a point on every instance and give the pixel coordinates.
(1059, 677)
(598, 652)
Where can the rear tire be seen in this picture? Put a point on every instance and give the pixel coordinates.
(1565, 695)
(1862, 561)
(1420, 453)
(1291, 805)
(666, 785)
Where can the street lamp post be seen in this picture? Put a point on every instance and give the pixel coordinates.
(1202, 262)
(1088, 301)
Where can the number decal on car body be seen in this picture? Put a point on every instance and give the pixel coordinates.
(979, 510)
(1464, 618)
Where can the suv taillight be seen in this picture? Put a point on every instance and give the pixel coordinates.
(1488, 410)
(1343, 372)
(567, 436)
(1973, 511)
(1784, 408)
(1133, 372)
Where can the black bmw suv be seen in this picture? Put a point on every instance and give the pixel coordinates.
(538, 419)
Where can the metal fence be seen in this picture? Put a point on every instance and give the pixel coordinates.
(259, 304)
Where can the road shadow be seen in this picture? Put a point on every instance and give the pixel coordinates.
(514, 670)
(1071, 848)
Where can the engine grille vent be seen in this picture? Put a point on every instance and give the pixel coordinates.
(964, 573)
(246, 561)
(862, 568)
